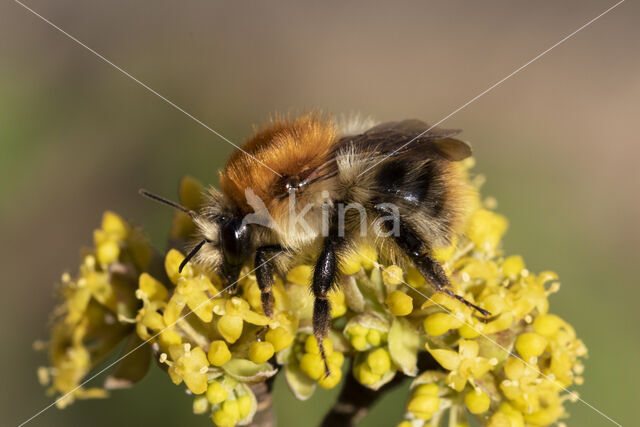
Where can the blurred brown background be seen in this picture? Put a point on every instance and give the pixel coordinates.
(558, 143)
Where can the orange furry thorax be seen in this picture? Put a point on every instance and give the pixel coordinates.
(289, 147)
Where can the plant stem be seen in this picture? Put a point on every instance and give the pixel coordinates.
(264, 416)
(355, 401)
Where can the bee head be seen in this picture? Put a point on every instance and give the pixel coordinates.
(235, 244)
(226, 241)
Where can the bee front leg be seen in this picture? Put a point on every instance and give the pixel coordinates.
(324, 277)
(264, 276)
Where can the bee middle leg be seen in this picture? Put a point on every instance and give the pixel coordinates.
(418, 251)
(324, 277)
(264, 276)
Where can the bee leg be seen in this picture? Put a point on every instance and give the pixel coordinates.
(324, 276)
(434, 273)
(418, 251)
(264, 276)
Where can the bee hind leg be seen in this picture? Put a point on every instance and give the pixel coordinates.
(418, 251)
(434, 273)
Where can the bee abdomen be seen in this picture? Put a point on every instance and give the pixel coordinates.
(410, 183)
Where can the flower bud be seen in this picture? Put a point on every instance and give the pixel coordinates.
(374, 337)
(415, 278)
(312, 365)
(335, 360)
(379, 361)
(219, 353)
(332, 380)
(477, 401)
(368, 257)
(530, 345)
(222, 419)
(439, 323)
(350, 264)
(230, 327)
(279, 337)
(423, 406)
(392, 275)
(108, 252)
(430, 389)
(311, 346)
(399, 303)
(216, 393)
(200, 405)
(300, 274)
(232, 408)
(364, 374)
(260, 351)
(469, 331)
(244, 405)
(359, 342)
(337, 303)
(513, 266)
(547, 324)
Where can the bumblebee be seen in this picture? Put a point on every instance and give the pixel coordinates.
(311, 189)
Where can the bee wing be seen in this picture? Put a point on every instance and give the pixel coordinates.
(407, 137)
(415, 136)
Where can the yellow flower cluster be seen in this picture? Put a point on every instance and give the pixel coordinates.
(508, 370)
(97, 302)
(512, 369)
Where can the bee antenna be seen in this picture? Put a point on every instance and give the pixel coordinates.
(167, 202)
(191, 255)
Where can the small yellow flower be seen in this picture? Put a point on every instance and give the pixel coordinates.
(219, 353)
(189, 365)
(506, 416)
(485, 229)
(464, 365)
(513, 266)
(233, 313)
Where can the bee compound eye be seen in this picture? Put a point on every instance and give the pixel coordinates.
(291, 183)
(235, 239)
